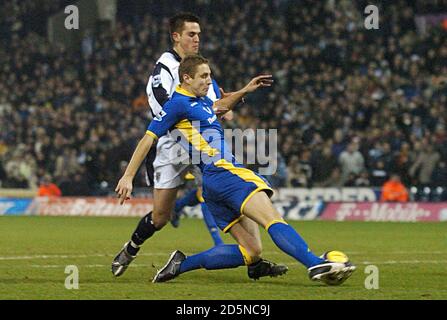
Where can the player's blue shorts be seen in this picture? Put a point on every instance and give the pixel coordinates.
(227, 187)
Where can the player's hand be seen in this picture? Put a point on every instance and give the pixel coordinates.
(124, 188)
(259, 81)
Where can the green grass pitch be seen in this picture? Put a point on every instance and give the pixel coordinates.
(34, 252)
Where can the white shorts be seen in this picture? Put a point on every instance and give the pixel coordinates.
(171, 164)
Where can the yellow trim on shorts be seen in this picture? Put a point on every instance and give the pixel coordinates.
(273, 222)
(246, 175)
(232, 223)
(243, 173)
(251, 195)
(153, 135)
(199, 196)
(248, 260)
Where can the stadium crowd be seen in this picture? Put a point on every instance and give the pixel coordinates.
(351, 105)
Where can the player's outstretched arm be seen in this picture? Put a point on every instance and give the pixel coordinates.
(230, 114)
(229, 101)
(124, 187)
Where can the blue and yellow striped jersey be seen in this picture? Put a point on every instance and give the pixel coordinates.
(227, 185)
(192, 122)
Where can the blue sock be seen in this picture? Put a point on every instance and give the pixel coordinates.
(211, 225)
(289, 241)
(220, 257)
(188, 200)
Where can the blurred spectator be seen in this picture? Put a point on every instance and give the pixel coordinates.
(351, 161)
(76, 111)
(75, 185)
(2, 174)
(339, 144)
(335, 179)
(362, 180)
(48, 188)
(305, 165)
(439, 176)
(378, 174)
(394, 190)
(323, 163)
(80, 185)
(349, 181)
(425, 163)
(297, 175)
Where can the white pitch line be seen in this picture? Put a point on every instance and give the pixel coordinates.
(67, 256)
(134, 265)
(396, 252)
(293, 263)
(406, 262)
(267, 253)
(54, 256)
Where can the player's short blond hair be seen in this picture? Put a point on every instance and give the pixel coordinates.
(189, 65)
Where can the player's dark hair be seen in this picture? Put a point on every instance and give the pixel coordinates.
(177, 22)
(189, 65)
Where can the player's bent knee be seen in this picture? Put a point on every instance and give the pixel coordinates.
(161, 218)
(159, 224)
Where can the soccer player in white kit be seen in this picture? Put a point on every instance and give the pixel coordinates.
(171, 161)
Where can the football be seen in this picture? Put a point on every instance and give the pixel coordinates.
(335, 256)
(339, 257)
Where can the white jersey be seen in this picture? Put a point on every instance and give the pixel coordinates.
(169, 165)
(165, 78)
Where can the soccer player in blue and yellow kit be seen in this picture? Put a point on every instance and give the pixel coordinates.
(172, 162)
(232, 192)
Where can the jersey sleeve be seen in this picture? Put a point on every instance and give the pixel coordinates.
(172, 113)
(159, 87)
(216, 89)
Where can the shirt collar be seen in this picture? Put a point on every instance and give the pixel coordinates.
(184, 92)
(175, 54)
